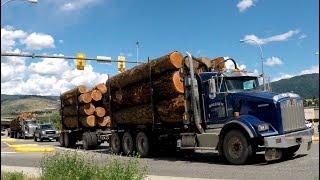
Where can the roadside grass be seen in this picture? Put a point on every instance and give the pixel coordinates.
(15, 176)
(73, 165)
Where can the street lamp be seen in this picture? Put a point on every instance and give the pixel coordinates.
(30, 1)
(261, 56)
(137, 46)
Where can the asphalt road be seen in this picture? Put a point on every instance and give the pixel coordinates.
(305, 165)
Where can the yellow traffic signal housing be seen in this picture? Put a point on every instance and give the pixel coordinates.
(121, 64)
(80, 62)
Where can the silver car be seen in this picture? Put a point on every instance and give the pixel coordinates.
(46, 132)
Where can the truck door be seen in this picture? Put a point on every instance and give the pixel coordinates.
(215, 102)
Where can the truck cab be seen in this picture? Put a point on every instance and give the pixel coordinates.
(231, 113)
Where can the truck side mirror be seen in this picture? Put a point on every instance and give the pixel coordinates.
(212, 88)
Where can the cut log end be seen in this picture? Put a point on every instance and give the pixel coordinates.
(85, 98)
(102, 88)
(100, 111)
(104, 121)
(96, 95)
(87, 109)
(88, 121)
(82, 89)
(178, 84)
(176, 59)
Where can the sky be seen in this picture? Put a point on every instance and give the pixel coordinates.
(286, 30)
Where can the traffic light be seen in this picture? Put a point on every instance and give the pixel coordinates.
(80, 62)
(121, 64)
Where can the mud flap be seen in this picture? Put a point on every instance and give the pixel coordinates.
(272, 154)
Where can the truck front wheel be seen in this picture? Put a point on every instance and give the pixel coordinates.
(115, 143)
(236, 148)
(142, 144)
(127, 143)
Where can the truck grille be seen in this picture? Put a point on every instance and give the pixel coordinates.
(292, 113)
(50, 132)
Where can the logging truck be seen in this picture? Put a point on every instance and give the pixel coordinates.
(199, 105)
(23, 126)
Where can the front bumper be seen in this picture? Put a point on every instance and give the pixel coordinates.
(50, 136)
(290, 139)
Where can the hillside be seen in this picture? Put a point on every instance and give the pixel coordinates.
(307, 86)
(14, 104)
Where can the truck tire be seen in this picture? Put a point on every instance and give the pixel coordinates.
(115, 143)
(86, 141)
(236, 148)
(94, 140)
(61, 139)
(142, 144)
(127, 143)
(289, 152)
(35, 138)
(11, 135)
(69, 140)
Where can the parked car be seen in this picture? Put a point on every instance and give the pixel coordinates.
(46, 132)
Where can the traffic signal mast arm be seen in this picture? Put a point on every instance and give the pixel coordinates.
(59, 57)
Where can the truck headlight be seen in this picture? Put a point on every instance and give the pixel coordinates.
(43, 132)
(263, 127)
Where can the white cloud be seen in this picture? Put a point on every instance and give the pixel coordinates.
(303, 36)
(77, 4)
(12, 68)
(253, 39)
(244, 4)
(282, 76)
(311, 70)
(230, 65)
(9, 36)
(38, 41)
(46, 77)
(273, 61)
(49, 66)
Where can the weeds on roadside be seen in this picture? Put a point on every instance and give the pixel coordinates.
(12, 176)
(73, 165)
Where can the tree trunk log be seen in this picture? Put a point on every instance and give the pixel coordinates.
(85, 98)
(86, 109)
(167, 86)
(101, 87)
(88, 121)
(96, 95)
(69, 101)
(170, 111)
(104, 121)
(71, 122)
(73, 92)
(100, 112)
(139, 73)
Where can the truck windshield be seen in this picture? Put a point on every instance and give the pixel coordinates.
(46, 126)
(33, 123)
(242, 83)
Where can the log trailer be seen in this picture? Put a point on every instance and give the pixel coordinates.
(226, 112)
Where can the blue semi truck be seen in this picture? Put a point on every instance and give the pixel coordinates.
(227, 112)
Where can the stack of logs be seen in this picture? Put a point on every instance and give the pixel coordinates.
(131, 92)
(85, 105)
(15, 124)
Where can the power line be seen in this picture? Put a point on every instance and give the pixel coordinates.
(61, 57)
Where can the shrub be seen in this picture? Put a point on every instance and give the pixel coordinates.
(12, 176)
(73, 165)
